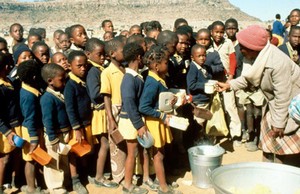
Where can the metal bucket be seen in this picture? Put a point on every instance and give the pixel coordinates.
(203, 159)
(256, 177)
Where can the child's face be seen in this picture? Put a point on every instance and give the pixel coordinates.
(183, 44)
(56, 39)
(294, 38)
(231, 30)
(17, 33)
(79, 66)
(217, 33)
(61, 60)
(162, 67)
(153, 34)
(79, 37)
(203, 39)
(97, 55)
(32, 40)
(135, 31)
(107, 36)
(118, 54)
(199, 56)
(64, 42)
(294, 18)
(108, 27)
(3, 47)
(42, 53)
(58, 82)
(171, 47)
(24, 56)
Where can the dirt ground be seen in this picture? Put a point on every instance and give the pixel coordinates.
(184, 178)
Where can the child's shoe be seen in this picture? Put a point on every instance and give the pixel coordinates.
(151, 185)
(170, 191)
(79, 188)
(134, 190)
(36, 191)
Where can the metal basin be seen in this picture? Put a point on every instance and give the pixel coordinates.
(246, 178)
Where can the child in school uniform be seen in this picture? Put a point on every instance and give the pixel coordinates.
(131, 122)
(225, 48)
(9, 114)
(78, 37)
(197, 76)
(56, 124)
(157, 122)
(111, 79)
(94, 50)
(78, 106)
(41, 52)
(32, 127)
(61, 60)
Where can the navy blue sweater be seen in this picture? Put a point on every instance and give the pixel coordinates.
(55, 118)
(195, 83)
(31, 111)
(149, 99)
(78, 103)
(214, 64)
(9, 112)
(131, 91)
(93, 86)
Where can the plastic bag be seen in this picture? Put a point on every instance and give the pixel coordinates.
(217, 126)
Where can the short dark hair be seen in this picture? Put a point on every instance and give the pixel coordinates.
(155, 55)
(277, 16)
(232, 20)
(34, 34)
(92, 43)
(153, 25)
(186, 28)
(137, 38)
(112, 45)
(15, 24)
(217, 23)
(105, 21)
(27, 70)
(179, 21)
(197, 46)
(131, 51)
(149, 40)
(2, 40)
(6, 59)
(166, 37)
(74, 54)
(294, 28)
(38, 44)
(49, 71)
(59, 31)
(72, 29)
(181, 31)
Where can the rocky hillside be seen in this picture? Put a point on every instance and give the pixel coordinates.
(55, 14)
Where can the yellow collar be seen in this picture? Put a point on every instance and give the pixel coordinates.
(31, 89)
(76, 79)
(157, 78)
(5, 83)
(96, 65)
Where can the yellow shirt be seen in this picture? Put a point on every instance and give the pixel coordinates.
(111, 79)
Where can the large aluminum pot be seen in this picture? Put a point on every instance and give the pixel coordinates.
(256, 177)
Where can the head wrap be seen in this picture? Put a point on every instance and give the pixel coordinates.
(253, 37)
(20, 49)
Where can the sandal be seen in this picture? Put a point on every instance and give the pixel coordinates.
(134, 190)
(170, 191)
(36, 191)
(151, 185)
(103, 183)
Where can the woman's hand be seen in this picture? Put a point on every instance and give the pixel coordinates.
(277, 132)
(222, 86)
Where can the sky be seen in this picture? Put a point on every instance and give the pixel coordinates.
(266, 9)
(263, 9)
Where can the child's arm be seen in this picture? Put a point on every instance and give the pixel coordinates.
(111, 120)
(93, 86)
(148, 100)
(130, 103)
(30, 106)
(72, 111)
(48, 111)
(192, 82)
(217, 65)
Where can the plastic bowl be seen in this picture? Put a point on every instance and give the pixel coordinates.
(18, 141)
(147, 141)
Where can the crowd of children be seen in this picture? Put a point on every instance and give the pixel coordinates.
(106, 93)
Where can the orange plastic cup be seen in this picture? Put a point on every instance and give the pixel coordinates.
(40, 156)
(82, 148)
